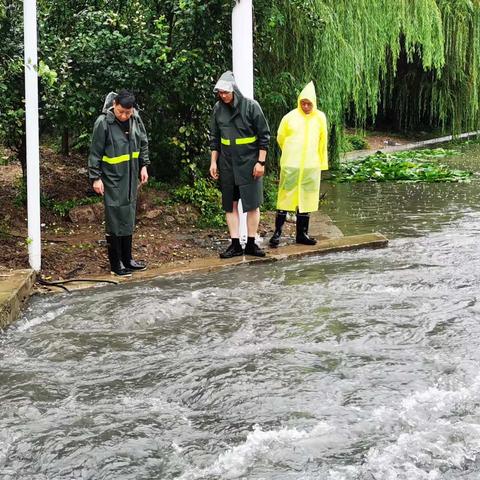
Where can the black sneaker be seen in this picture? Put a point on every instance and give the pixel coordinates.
(254, 250)
(232, 251)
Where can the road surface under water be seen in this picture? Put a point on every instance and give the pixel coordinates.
(351, 366)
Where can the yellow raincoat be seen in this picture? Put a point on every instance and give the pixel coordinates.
(303, 140)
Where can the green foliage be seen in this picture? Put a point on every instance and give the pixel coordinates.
(354, 142)
(62, 208)
(59, 207)
(159, 185)
(416, 61)
(21, 194)
(410, 166)
(204, 195)
(270, 192)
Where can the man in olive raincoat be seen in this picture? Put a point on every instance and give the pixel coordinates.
(239, 139)
(302, 136)
(117, 163)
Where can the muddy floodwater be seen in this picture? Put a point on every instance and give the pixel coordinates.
(360, 365)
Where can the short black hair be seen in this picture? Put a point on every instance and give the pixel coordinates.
(125, 98)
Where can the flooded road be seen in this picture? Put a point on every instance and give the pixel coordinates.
(359, 365)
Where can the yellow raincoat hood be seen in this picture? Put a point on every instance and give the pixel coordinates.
(303, 140)
(308, 93)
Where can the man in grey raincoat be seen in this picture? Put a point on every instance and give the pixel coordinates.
(239, 139)
(117, 163)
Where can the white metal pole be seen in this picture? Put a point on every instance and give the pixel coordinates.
(242, 53)
(31, 114)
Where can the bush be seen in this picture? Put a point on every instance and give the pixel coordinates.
(354, 142)
(270, 187)
(204, 195)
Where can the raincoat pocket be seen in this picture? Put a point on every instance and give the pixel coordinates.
(112, 197)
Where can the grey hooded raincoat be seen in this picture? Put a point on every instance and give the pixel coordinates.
(238, 132)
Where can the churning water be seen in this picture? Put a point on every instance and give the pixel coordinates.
(352, 366)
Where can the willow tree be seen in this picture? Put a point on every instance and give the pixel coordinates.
(353, 49)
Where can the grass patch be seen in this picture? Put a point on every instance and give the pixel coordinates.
(62, 208)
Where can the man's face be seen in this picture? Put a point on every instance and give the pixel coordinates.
(122, 114)
(225, 97)
(307, 106)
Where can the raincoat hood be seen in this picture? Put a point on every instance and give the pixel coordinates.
(227, 83)
(308, 93)
(108, 104)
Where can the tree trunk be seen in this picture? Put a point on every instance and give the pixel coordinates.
(65, 142)
(22, 156)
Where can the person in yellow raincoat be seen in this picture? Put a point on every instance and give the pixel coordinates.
(302, 136)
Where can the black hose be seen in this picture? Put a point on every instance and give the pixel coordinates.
(59, 283)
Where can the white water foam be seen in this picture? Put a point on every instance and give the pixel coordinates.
(235, 462)
(439, 433)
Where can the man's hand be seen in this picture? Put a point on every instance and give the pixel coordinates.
(258, 170)
(143, 175)
(98, 187)
(214, 170)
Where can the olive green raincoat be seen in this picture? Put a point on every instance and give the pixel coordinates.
(117, 161)
(303, 140)
(238, 132)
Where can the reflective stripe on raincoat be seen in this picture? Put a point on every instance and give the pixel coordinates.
(303, 140)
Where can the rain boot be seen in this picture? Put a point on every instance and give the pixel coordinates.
(114, 256)
(303, 219)
(279, 221)
(127, 260)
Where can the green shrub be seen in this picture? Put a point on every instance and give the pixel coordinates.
(354, 142)
(270, 191)
(204, 195)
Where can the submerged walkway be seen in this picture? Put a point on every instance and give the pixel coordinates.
(16, 286)
(331, 239)
(359, 154)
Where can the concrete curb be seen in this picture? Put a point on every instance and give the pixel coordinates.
(15, 287)
(211, 264)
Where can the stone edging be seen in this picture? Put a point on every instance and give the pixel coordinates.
(15, 287)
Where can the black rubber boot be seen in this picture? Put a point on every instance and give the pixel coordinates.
(233, 250)
(303, 219)
(279, 221)
(114, 256)
(251, 248)
(127, 260)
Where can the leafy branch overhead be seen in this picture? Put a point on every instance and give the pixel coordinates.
(408, 63)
